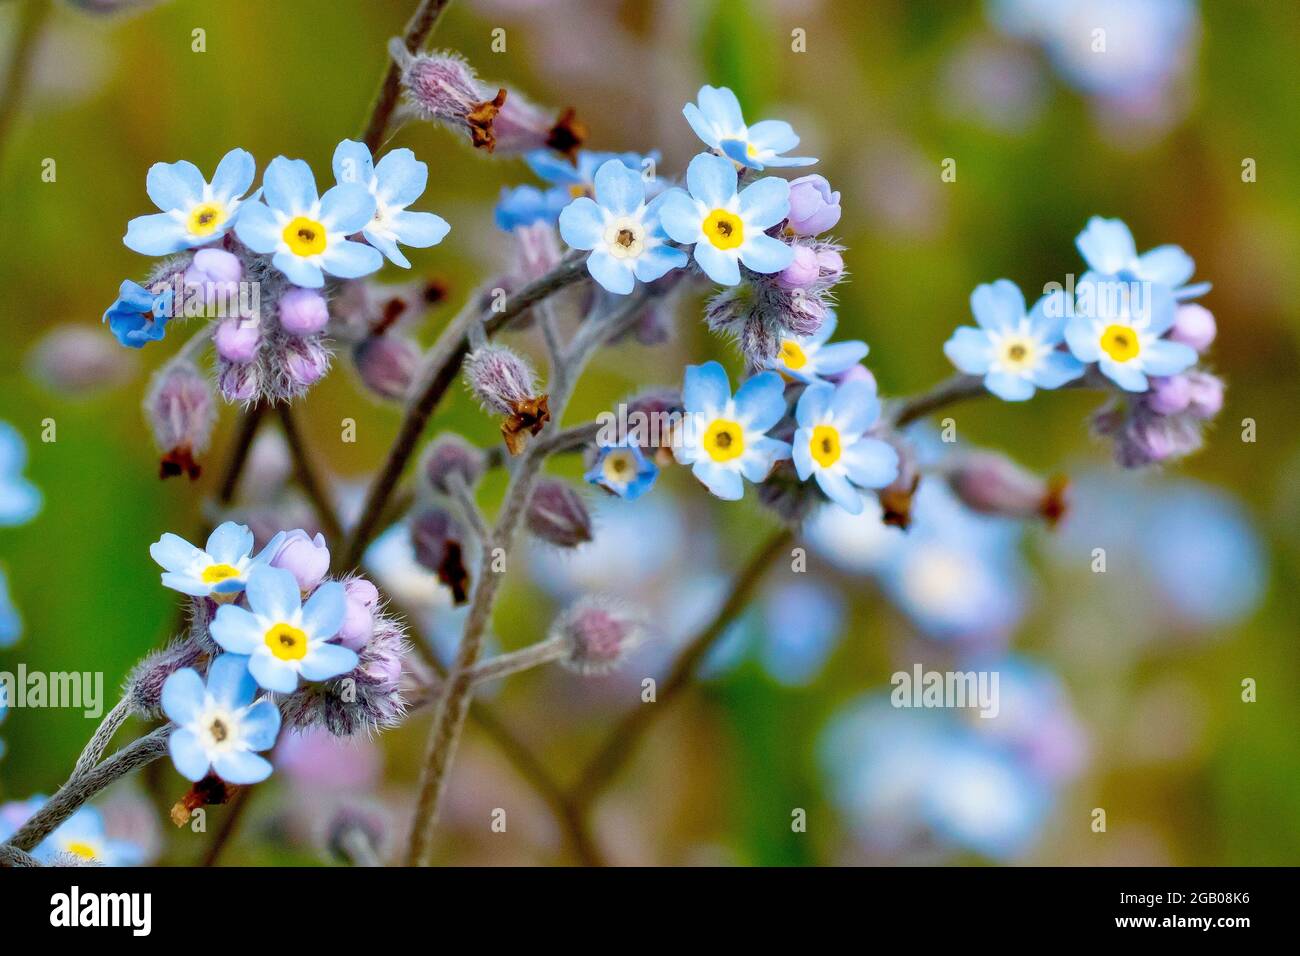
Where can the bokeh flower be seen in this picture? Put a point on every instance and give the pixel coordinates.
(624, 470)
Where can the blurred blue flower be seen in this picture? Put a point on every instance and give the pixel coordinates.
(526, 205)
(394, 183)
(1108, 247)
(11, 622)
(794, 630)
(83, 836)
(808, 358)
(194, 211)
(624, 470)
(20, 500)
(719, 122)
(578, 178)
(138, 316)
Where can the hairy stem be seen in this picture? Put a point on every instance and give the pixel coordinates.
(526, 658)
(417, 32)
(307, 476)
(109, 726)
(958, 388)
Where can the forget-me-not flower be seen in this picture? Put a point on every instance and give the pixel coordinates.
(220, 569)
(726, 227)
(194, 211)
(20, 500)
(394, 182)
(1107, 246)
(622, 231)
(307, 234)
(284, 638)
(218, 726)
(719, 121)
(808, 358)
(1016, 353)
(578, 178)
(624, 470)
(725, 439)
(138, 315)
(526, 205)
(83, 836)
(831, 445)
(11, 624)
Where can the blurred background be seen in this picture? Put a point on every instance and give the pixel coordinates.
(1121, 691)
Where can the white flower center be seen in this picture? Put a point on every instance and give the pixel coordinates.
(217, 729)
(625, 237)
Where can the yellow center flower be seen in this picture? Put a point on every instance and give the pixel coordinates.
(1120, 342)
(83, 850)
(724, 229)
(825, 445)
(724, 440)
(305, 237)
(793, 355)
(287, 642)
(216, 573)
(206, 218)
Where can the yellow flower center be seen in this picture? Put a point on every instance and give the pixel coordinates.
(216, 573)
(83, 850)
(305, 237)
(618, 467)
(724, 440)
(287, 642)
(724, 229)
(1120, 342)
(825, 445)
(206, 218)
(793, 355)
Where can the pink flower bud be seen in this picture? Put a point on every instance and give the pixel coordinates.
(802, 272)
(387, 364)
(1194, 325)
(305, 362)
(556, 514)
(181, 413)
(1205, 398)
(830, 263)
(993, 484)
(1169, 396)
(306, 558)
(598, 633)
(813, 207)
(452, 455)
(303, 312)
(499, 378)
(237, 340)
(362, 598)
(239, 383)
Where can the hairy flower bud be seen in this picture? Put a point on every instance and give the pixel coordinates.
(239, 383)
(437, 540)
(598, 632)
(452, 455)
(215, 274)
(556, 514)
(993, 484)
(503, 382)
(303, 312)
(144, 685)
(1194, 325)
(1205, 394)
(1144, 437)
(387, 364)
(302, 363)
(1169, 396)
(306, 558)
(181, 412)
(360, 607)
(802, 272)
(237, 340)
(814, 208)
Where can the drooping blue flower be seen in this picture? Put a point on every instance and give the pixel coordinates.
(20, 500)
(808, 358)
(831, 443)
(194, 211)
(397, 181)
(718, 121)
(1016, 353)
(621, 229)
(284, 638)
(724, 439)
(1120, 324)
(307, 236)
(218, 570)
(624, 470)
(138, 316)
(218, 726)
(726, 227)
(793, 631)
(83, 836)
(1107, 246)
(526, 205)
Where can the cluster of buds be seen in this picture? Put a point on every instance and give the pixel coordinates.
(181, 412)
(503, 382)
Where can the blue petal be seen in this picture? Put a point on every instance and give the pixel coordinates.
(761, 455)
(679, 216)
(969, 350)
(1106, 245)
(256, 227)
(775, 135)
(241, 767)
(777, 162)
(186, 584)
(1126, 376)
(388, 247)
(229, 681)
(157, 234)
(1057, 369)
(272, 673)
(700, 123)
(614, 274)
(619, 189)
(997, 305)
(1168, 265)
(182, 695)
(657, 262)
(401, 178)
(1162, 308)
(1164, 357)
(289, 186)
(801, 452)
(711, 179)
(706, 390)
(1081, 337)
(1008, 386)
(347, 208)
(814, 406)
(353, 163)
(766, 202)
(299, 271)
(234, 175)
(350, 260)
(552, 167)
(855, 407)
(723, 482)
(322, 616)
(836, 358)
(235, 629)
(582, 223)
(760, 402)
(840, 490)
(721, 107)
(261, 724)
(871, 463)
(173, 552)
(762, 253)
(328, 660)
(419, 230)
(174, 185)
(1048, 316)
(187, 754)
(273, 593)
(721, 267)
(230, 542)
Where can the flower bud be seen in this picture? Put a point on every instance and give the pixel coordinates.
(1169, 396)
(387, 364)
(357, 834)
(1194, 325)
(856, 373)
(503, 382)
(993, 484)
(452, 455)
(305, 362)
(144, 686)
(1205, 394)
(361, 605)
(437, 540)
(303, 312)
(306, 558)
(537, 250)
(802, 272)
(239, 383)
(598, 632)
(216, 274)
(78, 360)
(830, 263)
(181, 413)
(444, 89)
(556, 514)
(813, 207)
(237, 340)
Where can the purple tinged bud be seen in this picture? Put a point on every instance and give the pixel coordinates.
(303, 312)
(857, 373)
(217, 273)
(831, 264)
(598, 633)
(306, 558)
(239, 383)
(993, 484)
(452, 455)
(144, 686)
(237, 340)
(556, 514)
(181, 412)
(813, 207)
(387, 364)
(361, 604)
(802, 272)
(305, 362)
(499, 378)
(1169, 396)
(1205, 398)
(1194, 325)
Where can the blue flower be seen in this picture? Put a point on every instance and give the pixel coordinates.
(726, 227)
(138, 316)
(218, 726)
(831, 443)
(219, 571)
(579, 178)
(1119, 325)
(20, 500)
(1107, 246)
(308, 235)
(624, 470)
(1016, 353)
(623, 232)
(194, 211)
(11, 624)
(286, 640)
(725, 438)
(807, 358)
(526, 205)
(396, 182)
(719, 122)
(83, 836)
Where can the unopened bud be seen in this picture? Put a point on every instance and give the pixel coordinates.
(303, 312)
(598, 632)
(802, 272)
(77, 360)
(144, 686)
(1194, 325)
(237, 340)
(181, 412)
(304, 362)
(814, 208)
(305, 557)
(993, 484)
(387, 364)
(437, 540)
(361, 605)
(452, 455)
(239, 383)
(444, 89)
(503, 383)
(1205, 394)
(1169, 396)
(215, 274)
(556, 514)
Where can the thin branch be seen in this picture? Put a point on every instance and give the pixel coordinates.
(239, 450)
(948, 392)
(307, 477)
(418, 29)
(109, 726)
